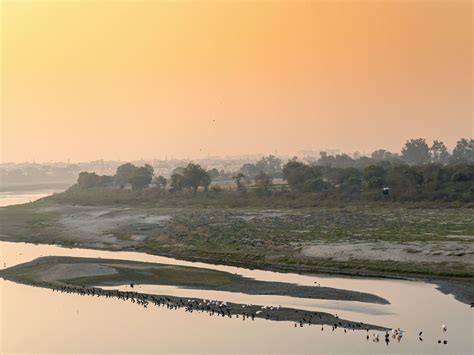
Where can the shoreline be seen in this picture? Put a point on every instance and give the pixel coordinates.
(215, 307)
(462, 289)
(430, 246)
(99, 272)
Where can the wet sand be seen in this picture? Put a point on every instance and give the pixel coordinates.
(215, 308)
(76, 271)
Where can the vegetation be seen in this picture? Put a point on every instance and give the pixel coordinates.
(390, 239)
(420, 173)
(306, 185)
(191, 177)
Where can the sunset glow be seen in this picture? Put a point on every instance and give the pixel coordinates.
(102, 79)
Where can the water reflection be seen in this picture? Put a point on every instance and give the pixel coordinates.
(9, 198)
(39, 320)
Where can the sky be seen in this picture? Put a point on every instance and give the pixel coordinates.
(86, 80)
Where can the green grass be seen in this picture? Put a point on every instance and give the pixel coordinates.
(278, 197)
(32, 220)
(225, 236)
(264, 237)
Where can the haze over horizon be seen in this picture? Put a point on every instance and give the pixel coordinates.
(129, 80)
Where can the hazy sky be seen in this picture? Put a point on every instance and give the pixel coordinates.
(141, 79)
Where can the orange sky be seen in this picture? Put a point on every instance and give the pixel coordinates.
(144, 79)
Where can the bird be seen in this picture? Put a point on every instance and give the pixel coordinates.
(420, 333)
(445, 328)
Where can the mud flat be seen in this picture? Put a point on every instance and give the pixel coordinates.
(78, 275)
(76, 271)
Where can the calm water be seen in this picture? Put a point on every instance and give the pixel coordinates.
(8, 198)
(41, 321)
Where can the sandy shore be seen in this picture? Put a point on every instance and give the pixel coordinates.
(54, 273)
(74, 271)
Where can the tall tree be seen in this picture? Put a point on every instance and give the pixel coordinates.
(270, 165)
(439, 152)
(177, 181)
(140, 179)
(195, 176)
(416, 152)
(379, 154)
(124, 173)
(205, 180)
(88, 180)
(374, 175)
(464, 151)
(238, 180)
(150, 169)
(161, 182)
(249, 170)
(297, 173)
(263, 181)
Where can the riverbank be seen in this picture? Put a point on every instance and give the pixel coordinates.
(434, 245)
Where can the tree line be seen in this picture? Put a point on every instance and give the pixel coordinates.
(419, 172)
(139, 178)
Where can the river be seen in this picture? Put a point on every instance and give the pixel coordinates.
(14, 196)
(35, 320)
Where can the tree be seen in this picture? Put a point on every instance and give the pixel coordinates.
(434, 175)
(382, 154)
(326, 159)
(161, 182)
(124, 173)
(177, 181)
(463, 174)
(263, 181)
(404, 180)
(464, 151)
(195, 176)
(352, 185)
(140, 179)
(416, 152)
(339, 176)
(439, 152)
(178, 170)
(105, 180)
(249, 170)
(379, 154)
(87, 180)
(374, 175)
(297, 173)
(205, 180)
(213, 173)
(270, 165)
(315, 185)
(150, 169)
(238, 180)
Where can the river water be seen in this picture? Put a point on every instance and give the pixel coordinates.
(14, 197)
(35, 320)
